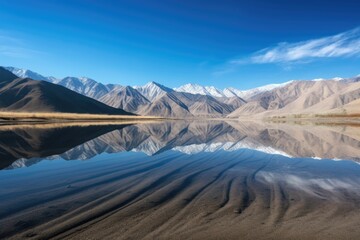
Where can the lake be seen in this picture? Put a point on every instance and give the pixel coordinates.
(180, 180)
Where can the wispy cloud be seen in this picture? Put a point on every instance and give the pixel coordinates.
(288, 55)
(345, 44)
(11, 46)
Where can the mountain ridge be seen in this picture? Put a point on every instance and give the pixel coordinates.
(27, 95)
(206, 90)
(194, 100)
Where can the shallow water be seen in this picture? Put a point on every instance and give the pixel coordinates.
(180, 180)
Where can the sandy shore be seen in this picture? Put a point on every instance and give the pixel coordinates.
(16, 117)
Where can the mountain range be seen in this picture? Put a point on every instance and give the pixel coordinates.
(318, 96)
(27, 95)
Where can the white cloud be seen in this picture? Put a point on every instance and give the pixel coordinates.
(345, 44)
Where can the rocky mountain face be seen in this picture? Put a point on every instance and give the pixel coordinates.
(126, 98)
(153, 91)
(27, 95)
(227, 92)
(25, 73)
(336, 95)
(305, 97)
(151, 99)
(198, 89)
(84, 86)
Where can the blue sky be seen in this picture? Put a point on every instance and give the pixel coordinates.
(243, 44)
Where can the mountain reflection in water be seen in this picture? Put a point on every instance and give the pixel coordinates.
(76, 142)
(196, 180)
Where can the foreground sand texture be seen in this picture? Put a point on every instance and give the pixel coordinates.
(246, 196)
(242, 194)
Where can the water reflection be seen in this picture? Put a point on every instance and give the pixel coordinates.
(76, 142)
(181, 180)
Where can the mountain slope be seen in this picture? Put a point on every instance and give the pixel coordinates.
(302, 97)
(6, 77)
(293, 97)
(126, 98)
(247, 94)
(180, 104)
(203, 105)
(25, 73)
(227, 92)
(233, 102)
(344, 99)
(84, 86)
(167, 106)
(198, 89)
(153, 90)
(27, 95)
(351, 108)
(248, 109)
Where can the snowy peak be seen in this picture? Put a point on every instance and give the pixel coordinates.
(198, 89)
(192, 88)
(227, 92)
(232, 92)
(331, 79)
(214, 92)
(246, 94)
(77, 82)
(153, 90)
(270, 87)
(82, 85)
(251, 92)
(157, 85)
(25, 73)
(85, 86)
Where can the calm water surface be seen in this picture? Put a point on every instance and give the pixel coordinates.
(180, 180)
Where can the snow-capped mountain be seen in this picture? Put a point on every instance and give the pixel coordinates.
(227, 92)
(193, 100)
(198, 89)
(82, 85)
(153, 90)
(85, 86)
(324, 79)
(28, 95)
(24, 73)
(246, 94)
(232, 92)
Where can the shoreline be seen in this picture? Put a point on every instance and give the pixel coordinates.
(24, 117)
(353, 121)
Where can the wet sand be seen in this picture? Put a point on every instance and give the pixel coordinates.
(223, 195)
